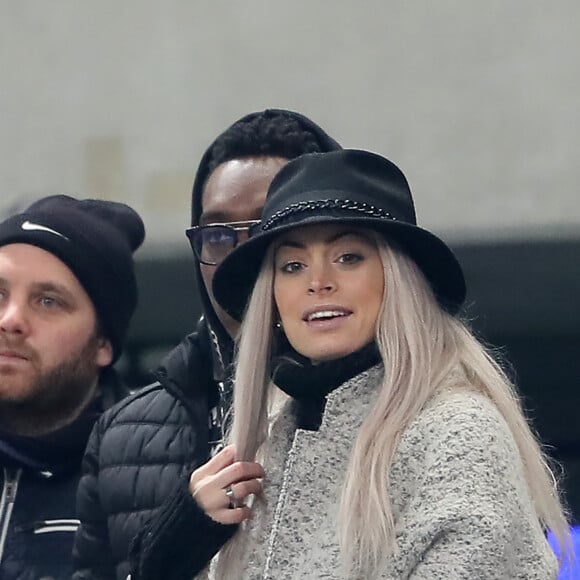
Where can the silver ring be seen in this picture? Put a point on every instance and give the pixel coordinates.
(231, 497)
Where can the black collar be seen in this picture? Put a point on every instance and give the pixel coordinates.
(309, 384)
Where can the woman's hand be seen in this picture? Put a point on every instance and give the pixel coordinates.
(222, 485)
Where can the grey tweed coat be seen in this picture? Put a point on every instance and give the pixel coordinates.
(461, 504)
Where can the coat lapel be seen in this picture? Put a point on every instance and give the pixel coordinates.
(303, 527)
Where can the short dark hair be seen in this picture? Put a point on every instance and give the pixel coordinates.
(268, 133)
(271, 133)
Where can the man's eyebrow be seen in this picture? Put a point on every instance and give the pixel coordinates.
(217, 217)
(45, 286)
(53, 287)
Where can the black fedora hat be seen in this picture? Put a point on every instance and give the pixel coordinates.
(348, 186)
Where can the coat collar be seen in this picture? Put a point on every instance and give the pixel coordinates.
(294, 515)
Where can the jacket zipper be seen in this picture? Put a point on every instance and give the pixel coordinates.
(9, 490)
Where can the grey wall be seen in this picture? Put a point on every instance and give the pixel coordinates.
(477, 101)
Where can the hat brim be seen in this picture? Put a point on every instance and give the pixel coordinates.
(236, 276)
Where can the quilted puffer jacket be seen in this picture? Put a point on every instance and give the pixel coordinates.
(137, 467)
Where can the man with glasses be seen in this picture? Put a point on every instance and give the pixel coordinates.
(148, 456)
(212, 243)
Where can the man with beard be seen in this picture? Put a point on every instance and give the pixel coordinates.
(67, 294)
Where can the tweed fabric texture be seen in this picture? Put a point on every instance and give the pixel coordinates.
(461, 504)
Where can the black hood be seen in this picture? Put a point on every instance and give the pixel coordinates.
(221, 342)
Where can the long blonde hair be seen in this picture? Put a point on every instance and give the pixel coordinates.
(423, 349)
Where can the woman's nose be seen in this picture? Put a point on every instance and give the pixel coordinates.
(321, 280)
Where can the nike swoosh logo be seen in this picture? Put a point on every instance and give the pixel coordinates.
(30, 227)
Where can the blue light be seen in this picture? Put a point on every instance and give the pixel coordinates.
(569, 572)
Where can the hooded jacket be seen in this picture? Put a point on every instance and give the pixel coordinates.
(38, 479)
(138, 518)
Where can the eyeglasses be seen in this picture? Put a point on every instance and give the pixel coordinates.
(212, 243)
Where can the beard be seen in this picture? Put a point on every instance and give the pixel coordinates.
(54, 398)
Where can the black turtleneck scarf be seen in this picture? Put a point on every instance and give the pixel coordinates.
(309, 384)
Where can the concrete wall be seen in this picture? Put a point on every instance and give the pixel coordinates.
(476, 101)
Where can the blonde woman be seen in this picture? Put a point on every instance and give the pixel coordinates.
(393, 445)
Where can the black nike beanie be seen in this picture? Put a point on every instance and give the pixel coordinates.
(96, 240)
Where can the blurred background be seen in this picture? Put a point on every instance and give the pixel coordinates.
(478, 103)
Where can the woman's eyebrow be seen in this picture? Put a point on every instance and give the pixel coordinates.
(290, 244)
(294, 243)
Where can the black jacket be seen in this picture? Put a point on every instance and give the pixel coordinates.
(137, 514)
(136, 472)
(38, 479)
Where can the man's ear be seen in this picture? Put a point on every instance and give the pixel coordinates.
(104, 353)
